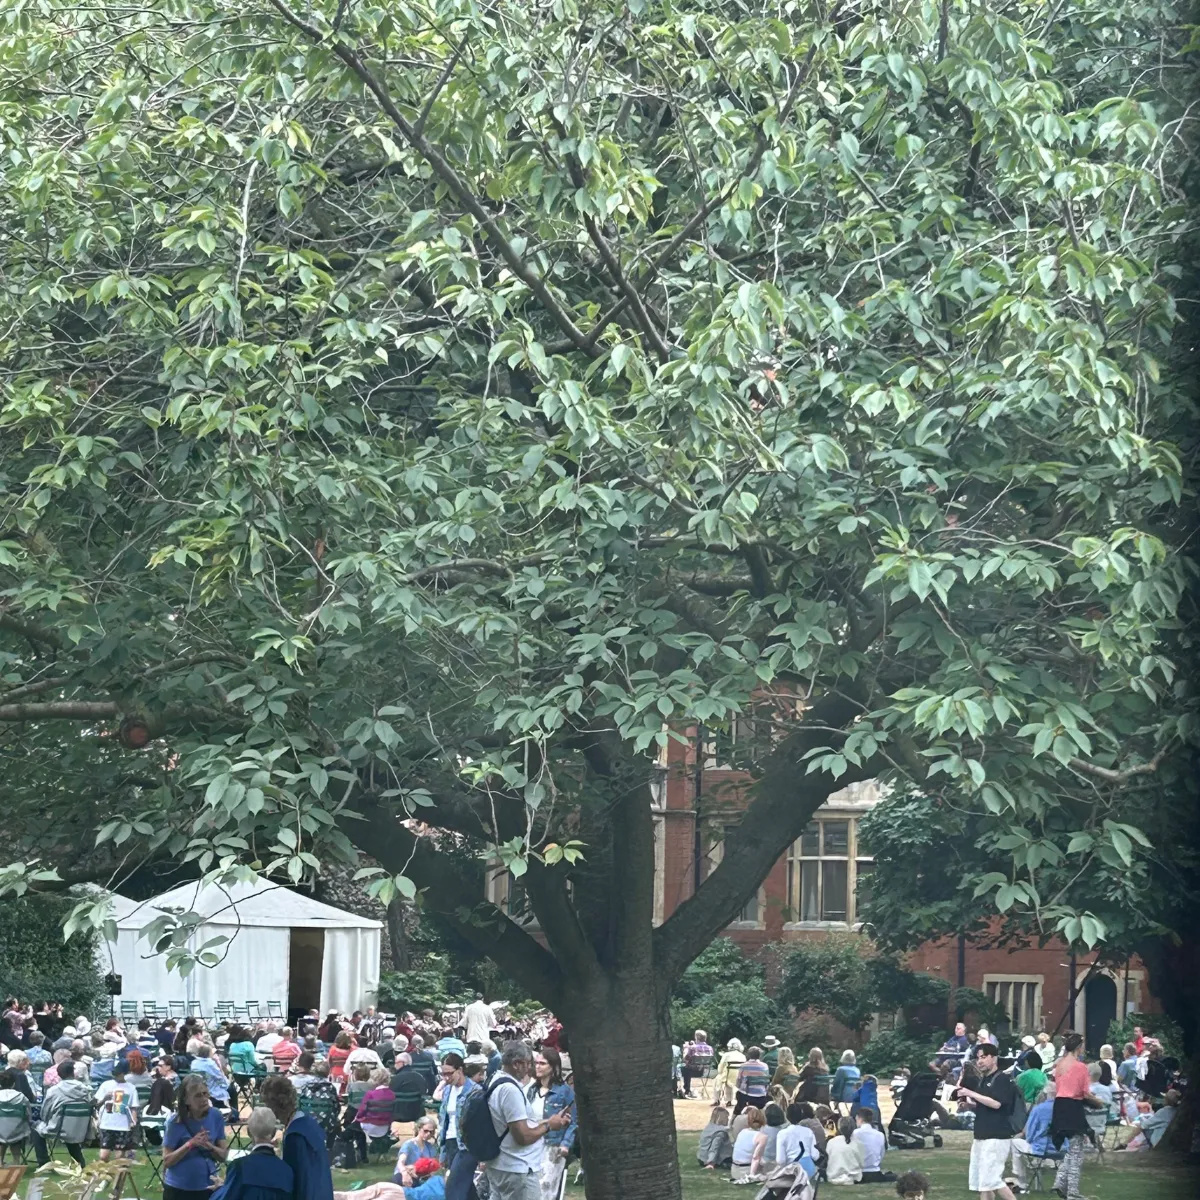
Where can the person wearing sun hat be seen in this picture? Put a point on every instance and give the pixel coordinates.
(771, 1047)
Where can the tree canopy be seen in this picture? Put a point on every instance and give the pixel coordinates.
(415, 414)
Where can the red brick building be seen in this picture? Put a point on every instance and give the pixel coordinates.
(812, 891)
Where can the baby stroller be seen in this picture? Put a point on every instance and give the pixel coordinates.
(912, 1123)
(788, 1182)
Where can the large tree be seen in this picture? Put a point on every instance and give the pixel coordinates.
(414, 415)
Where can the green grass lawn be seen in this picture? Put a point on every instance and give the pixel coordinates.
(1123, 1177)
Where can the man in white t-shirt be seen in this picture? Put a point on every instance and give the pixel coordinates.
(116, 1101)
(873, 1145)
(515, 1173)
(795, 1140)
(479, 1020)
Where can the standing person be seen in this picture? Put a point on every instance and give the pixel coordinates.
(117, 1102)
(479, 1020)
(1072, 1098)
(548, 1095)
(455, 1088)
(515, 1173)
(994, 1096)
(194, 1143)
(753, 1081)
(304, 1147)
(1138, 1039)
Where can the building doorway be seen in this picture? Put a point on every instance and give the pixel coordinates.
(306, 953)
(1099, 1008)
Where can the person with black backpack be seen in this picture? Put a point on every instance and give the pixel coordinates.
(999, 1116)
(500, 1127)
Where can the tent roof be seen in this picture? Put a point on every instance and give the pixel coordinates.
(255, 904)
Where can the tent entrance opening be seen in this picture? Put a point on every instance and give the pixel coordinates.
(306, 953)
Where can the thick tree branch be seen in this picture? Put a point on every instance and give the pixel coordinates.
(450, 892)
(784, 799)
(61, 710)
(1112, 776)
(30, 629)
(450, 177)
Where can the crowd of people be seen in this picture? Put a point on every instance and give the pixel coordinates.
(1039, 1104)
(337, 1086)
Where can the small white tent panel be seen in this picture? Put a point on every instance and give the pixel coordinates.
(259, 919)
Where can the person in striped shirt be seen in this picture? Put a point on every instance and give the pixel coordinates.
(753, 1081)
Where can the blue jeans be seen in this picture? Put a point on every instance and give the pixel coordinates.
(460, 1183)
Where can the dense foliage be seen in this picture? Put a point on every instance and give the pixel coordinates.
(843, 977)
(36, 964)
(408, 409)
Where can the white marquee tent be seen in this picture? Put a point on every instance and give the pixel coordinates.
(282, 946)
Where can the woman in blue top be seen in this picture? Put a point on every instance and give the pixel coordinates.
(845, 1079)
(548, 1095)
(194, 1143)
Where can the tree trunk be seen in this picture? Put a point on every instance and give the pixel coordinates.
(398, 935)
(620, 1046)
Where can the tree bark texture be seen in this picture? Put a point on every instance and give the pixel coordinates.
(620, 1043)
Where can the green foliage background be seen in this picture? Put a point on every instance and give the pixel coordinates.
(36, 964)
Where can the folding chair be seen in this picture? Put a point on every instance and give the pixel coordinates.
(153, 1153)
(705, 1078)
(241, 1013)
(10, 1178)
(223, 1010)
(252, 1010)
(14, 1119)
(193, 1009)
(129, 1011)
(1036, 1165)
(150, 1009)
(74, 1126)
(177, 1009)
(275, 1009)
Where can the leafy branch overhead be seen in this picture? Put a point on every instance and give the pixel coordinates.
(417, 417)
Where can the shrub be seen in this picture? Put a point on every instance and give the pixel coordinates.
(720, 963)
(890, 1050)
(986, 1012)
(1155, 1025)
(741, 1010)
(36, 964)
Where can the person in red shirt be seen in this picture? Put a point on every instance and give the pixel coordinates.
(286, 1051)
(1139, 1038)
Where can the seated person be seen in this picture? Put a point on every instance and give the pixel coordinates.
(866, 1095)
(874, 1146)
(715, 1149)
(843, 1155)
(422, 1181)
(258, 1174)
(743, 1143)
(1034, 1140)
(1151, 1126)
(422, 1145)
(912, 1185)
(375, 1112)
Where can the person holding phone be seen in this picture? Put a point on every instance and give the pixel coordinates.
(194, 1143)
(548, 1096)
